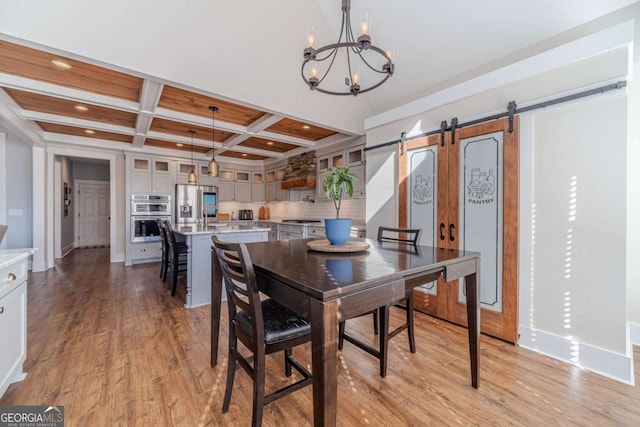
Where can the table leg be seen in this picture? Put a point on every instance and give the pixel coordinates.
(216, 298)
(472, 284)
(324, 361)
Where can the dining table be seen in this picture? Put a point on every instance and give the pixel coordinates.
(329, 287)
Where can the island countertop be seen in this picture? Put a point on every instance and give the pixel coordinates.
(216, 228)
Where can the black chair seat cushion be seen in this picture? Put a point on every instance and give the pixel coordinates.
(280, 323)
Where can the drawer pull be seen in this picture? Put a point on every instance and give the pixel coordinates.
(11, 277)
(1, 310)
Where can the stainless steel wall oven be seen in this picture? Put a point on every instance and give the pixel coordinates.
(146, 210)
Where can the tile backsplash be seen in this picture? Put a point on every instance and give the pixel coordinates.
(320, 209)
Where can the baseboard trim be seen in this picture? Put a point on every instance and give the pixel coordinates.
(67, 249)
(613, 365)
(634, 332)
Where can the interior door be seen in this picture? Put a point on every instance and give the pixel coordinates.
(93, 214)
(423, 171)
(477, 209)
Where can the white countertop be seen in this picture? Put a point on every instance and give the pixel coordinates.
(11, 256)
(355, 225)
(220, 228)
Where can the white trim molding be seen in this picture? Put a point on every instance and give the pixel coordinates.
(634, 333)
(113, 225)
(601, 361)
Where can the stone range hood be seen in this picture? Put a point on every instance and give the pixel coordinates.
(300, 173)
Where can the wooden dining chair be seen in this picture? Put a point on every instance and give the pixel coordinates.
(403, 236)
(263, 327)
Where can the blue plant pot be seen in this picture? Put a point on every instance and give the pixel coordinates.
(338, 230)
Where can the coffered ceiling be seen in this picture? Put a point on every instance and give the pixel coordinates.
(146, 71)
(66, 97)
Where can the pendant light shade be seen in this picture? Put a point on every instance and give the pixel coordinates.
(213, 165)
(192, 179)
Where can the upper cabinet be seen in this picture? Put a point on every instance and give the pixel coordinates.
(273, 187)
(354, 158)
(151, 175)
(234, 185)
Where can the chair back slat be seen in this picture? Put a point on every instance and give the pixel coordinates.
(410, 236)
(240, 282)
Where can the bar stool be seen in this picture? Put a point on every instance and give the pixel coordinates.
(177, 256)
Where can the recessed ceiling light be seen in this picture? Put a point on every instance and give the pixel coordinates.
(81, 108)
(270, 143)
(244, 154)
(179, 144)
(89, 131)
(61, 64)
(306, 127)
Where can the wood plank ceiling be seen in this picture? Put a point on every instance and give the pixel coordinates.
(74, 101)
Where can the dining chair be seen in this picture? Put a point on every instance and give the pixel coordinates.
(263, 327)
(178, 252)
(381, 314)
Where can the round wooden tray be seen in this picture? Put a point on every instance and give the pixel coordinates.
(323, 245)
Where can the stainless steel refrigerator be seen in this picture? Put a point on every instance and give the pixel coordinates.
(195, 202)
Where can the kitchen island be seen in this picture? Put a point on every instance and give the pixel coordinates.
(198, 239)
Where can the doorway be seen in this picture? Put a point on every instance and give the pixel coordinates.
(91, 213)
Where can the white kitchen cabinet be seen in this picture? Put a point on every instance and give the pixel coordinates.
(203, 176)
(13, 316)
(184, 167)
(145, 251)
(360, 184)
(290, 231)
(257, 187)
(151, 175)
(234, 186)
(273, 187)
(355, 156)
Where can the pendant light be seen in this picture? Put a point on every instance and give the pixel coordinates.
(213, 165)
(193, 179)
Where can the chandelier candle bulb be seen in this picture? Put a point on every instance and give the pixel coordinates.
(364, 23)
(310, 36)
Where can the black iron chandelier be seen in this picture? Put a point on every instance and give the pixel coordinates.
(353, 49)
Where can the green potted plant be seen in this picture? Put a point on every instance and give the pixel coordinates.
(337, 181)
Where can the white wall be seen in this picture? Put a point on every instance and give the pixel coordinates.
(573, 302)
(17, 195)
(597, 338)
(90, 171)
(633, 191)
(67, 223)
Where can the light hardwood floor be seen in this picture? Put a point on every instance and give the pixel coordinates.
(110, 344)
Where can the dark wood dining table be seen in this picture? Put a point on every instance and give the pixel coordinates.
(326, 288)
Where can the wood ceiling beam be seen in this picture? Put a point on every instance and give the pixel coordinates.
(177, 116)
(48, 89)
(284, 138)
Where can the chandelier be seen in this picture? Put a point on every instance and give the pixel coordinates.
(354, 50)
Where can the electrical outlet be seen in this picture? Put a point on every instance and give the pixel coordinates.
(15, 212)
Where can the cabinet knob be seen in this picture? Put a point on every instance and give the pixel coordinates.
(11, 277)
(1, 310)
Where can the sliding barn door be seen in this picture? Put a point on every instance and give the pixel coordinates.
(475, 204)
